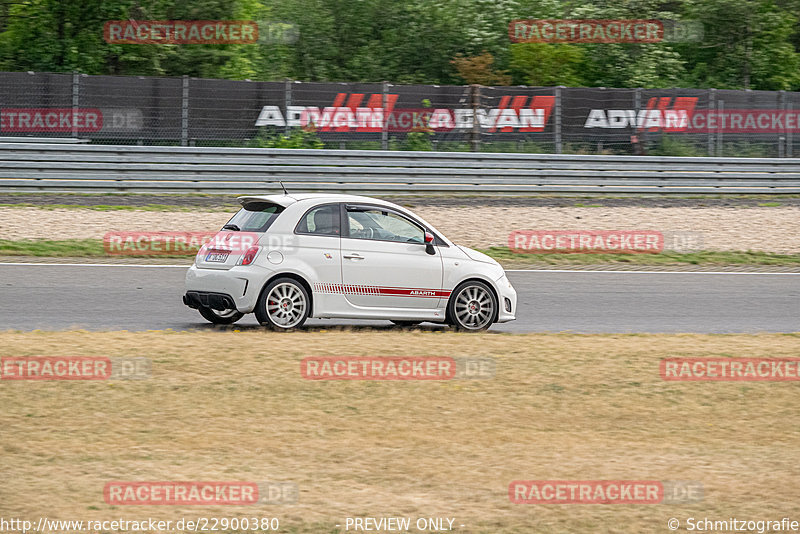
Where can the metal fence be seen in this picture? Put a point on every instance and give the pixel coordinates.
(384, 116)
(126, 168)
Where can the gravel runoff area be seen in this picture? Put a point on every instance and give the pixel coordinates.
(720, 228)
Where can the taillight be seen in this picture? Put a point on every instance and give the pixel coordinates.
(201, 253)
(250, 255)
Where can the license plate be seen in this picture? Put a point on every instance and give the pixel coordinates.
(219, 257)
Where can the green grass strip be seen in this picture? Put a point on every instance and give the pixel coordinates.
(94, 248)
(504, 255)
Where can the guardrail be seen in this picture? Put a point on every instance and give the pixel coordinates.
(148, 169)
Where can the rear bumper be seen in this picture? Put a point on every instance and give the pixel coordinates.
(207, 299)
(240, 286)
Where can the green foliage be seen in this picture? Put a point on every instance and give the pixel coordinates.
(631, 65)
(420, 137)
(747, 149)
(545, 64)
(418, 141)
(524, 146)
(746, 44)
(673, 146)
(363, 145)
(297, 138)
(667, 145)
(67, 35)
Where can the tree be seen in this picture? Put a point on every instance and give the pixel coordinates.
(747, 45)
(67, 35)
(546, 64)
(478, 69)
(631, 64)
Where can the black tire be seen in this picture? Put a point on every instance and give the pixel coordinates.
(472, 307)
(284, 304)
(405, 324)
(220, 316)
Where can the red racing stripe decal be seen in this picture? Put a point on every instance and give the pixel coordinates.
(350, 289)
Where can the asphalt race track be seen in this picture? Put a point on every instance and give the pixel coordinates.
(55, 297)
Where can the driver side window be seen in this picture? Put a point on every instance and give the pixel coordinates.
(382, 225)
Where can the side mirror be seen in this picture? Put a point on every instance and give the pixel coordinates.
(429, 244)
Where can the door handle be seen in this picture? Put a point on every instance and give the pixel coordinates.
(353, 256)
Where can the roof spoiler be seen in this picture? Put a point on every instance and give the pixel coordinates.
(281, 200)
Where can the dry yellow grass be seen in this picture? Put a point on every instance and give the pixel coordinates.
(232, 406)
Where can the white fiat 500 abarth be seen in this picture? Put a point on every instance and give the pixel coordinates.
(343, 256)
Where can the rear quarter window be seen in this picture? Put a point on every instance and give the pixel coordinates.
(256, 216)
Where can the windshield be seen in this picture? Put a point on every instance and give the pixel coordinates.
(254, 217)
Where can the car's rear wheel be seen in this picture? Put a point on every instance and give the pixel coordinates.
(472, 306)
(283, 305)
(220, 316)
(405, 324)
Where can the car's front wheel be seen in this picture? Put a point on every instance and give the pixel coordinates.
(220, 316)
(284, 304)
(472, 306)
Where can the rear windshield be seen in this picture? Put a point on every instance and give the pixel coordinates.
(256, 216)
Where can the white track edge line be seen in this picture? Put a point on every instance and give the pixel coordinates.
(95, 265)
(641, 272)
